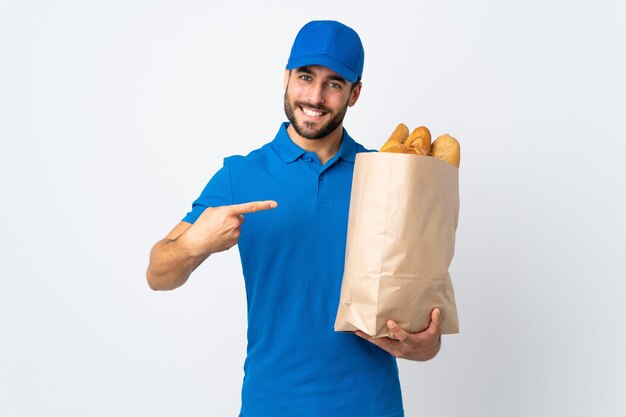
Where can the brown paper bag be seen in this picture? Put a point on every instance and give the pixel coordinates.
(404, 212)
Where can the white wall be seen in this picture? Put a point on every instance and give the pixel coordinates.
(114, 114)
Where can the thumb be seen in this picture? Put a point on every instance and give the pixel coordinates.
(435, 317)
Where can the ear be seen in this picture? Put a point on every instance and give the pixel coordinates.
(354, 94)
(286, 79)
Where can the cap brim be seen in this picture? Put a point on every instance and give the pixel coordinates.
(326, 61)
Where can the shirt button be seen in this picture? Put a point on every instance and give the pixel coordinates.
(321, 178)
(309, 159)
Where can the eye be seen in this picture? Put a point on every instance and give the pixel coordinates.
(334, 85)
(305, 77)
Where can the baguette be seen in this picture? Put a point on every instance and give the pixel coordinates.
(419, 141)
(399, 135)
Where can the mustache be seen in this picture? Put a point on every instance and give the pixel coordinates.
(319, 107)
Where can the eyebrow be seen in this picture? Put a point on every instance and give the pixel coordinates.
(332, 77)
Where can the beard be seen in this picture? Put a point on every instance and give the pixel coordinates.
(311, 130)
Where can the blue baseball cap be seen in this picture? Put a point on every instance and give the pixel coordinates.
(331, 44)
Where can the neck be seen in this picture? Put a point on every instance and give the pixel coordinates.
(325, 148)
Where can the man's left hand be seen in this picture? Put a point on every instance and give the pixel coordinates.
(420, 346)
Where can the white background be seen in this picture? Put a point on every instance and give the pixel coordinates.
(114, 114)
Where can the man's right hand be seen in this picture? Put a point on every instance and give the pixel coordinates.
(173, 259)
(218, 228)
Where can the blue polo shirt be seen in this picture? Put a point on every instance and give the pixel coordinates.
(292, 259)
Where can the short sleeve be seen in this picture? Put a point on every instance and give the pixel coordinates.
(218, 192)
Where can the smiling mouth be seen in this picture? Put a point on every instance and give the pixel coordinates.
(312, 113)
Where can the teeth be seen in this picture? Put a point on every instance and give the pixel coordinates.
(311, 113)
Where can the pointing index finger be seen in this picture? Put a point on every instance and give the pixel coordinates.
(254, 206)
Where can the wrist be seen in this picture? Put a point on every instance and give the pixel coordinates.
(191, 248)
(184, 245)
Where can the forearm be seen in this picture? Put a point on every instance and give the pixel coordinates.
(217, 229)
(171, 264)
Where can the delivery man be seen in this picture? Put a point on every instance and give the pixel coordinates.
(293, 194)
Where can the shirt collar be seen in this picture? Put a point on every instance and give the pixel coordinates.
(289, 151)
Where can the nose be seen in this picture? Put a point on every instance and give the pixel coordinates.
(315, 93)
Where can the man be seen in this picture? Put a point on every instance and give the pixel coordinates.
(294, 193)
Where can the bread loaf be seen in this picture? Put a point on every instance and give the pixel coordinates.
(398, 149)
(446, 148)
(399, 135)
(419, 141)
